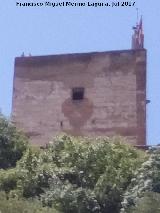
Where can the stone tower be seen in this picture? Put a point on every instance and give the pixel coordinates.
(81, 94)
(90, 94)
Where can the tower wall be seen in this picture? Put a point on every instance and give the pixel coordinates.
(114, 100)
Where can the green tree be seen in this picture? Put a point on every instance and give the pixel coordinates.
(12, 144)
(14, 205)
(75, 175)
(99, 169)
(146, 179)
(147, 204)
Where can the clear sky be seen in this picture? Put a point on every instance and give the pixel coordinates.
(48, 30)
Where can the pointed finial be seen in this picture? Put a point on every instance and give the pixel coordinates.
(138, 36)
(137, 14)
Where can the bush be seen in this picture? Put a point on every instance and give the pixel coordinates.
(76, 175)
(8, 180)
(33, 173)
(13, 205)
(25, 180)
(146, 179)
(99, 169)
(12, 144)
(147, 204)
(29, 177)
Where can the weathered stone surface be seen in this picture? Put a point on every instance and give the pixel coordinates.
(114, 100)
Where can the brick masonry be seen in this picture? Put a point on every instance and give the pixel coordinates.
(114, 98)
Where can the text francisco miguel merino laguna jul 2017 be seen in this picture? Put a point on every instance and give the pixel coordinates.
(77, 4)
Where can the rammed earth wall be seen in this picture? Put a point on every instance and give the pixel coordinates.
(114, 100)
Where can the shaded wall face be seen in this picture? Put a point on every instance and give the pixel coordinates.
(114, 95)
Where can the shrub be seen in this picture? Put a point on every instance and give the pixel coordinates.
(146, 179)
(12, 144)
(8, 180)
(79, 175)
(14, 205)
(147, 204)
(100, 169)
(33, 173)
(29, 177)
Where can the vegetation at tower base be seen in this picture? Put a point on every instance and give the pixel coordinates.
(14, 205)
(12, 144)
(150, 202)
(92, 175)
(78, 175)
(147, 179)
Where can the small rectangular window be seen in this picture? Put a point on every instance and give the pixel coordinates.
(78, 93)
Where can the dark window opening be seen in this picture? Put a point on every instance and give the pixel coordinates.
(78, 93)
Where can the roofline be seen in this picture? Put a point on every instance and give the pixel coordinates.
(79, 54)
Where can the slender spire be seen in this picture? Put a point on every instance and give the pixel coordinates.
(138, 36)
(137, 15)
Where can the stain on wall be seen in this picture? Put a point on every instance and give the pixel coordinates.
(77, 113)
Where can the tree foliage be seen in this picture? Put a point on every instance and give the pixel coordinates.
(99, 169)
(146, 179)
(150, 202)
(79, 175)
(14, 205)
(12, 144)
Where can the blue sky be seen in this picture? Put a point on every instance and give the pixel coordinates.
(47, 30)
